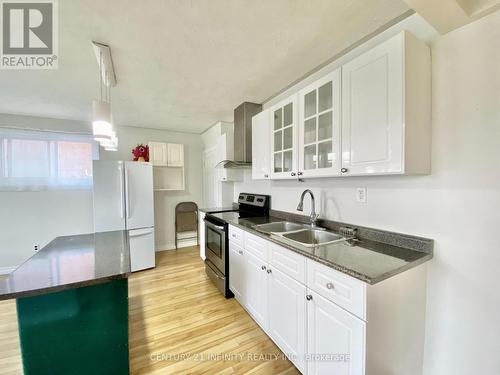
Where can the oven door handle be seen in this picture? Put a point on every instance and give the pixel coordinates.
(212, 225)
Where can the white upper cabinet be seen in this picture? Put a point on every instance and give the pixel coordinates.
(168, 158)
(166, 154)
(319, 127)
(261, 164)
(386, 125)
(158, 154)
(284, 139)
(175, 154)
(371, 116)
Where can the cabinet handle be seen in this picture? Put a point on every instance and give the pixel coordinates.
(293, 173)
(266, 176)
(263, 268)
(269, 271)
(300, 173)
(344, 170)
(309, 297)
(329, 285)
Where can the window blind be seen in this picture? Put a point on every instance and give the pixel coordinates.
(39, 160)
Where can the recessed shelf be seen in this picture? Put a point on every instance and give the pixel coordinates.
(168, 179)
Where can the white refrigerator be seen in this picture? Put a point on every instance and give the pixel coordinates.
(123, 200)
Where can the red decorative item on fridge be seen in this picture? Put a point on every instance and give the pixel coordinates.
(141, 153)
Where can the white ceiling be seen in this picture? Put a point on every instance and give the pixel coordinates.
(184, 64)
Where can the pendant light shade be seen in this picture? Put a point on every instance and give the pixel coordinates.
(102, 121)
(101, 124)
(111, 144)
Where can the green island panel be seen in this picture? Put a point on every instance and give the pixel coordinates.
(78, 331)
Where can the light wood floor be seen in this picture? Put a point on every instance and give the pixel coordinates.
(176, 312)
(10, 357)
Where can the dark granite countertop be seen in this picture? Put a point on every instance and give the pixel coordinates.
(366, 260)
(70, 262)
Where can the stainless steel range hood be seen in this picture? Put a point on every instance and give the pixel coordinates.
(242, 136)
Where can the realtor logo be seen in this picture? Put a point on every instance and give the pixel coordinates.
(29, 34)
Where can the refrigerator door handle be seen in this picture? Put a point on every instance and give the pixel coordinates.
(122, 197)
(140, 232)
(127, 193)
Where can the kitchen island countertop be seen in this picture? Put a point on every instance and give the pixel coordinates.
(70, 262)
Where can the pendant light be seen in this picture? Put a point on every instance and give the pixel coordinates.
(102, 121)
(102, 124)
(110, 144)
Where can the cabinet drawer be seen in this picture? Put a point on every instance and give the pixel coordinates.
(257, 246)
(288, 262)
(236, 236)
(347, 292)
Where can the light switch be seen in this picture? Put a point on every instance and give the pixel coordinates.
(361, 195)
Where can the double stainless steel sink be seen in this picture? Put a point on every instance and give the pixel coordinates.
(279, 227)
(300, 234)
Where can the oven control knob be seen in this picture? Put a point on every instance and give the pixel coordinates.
(329, 285)
(233, 235)
(309, 297)
(240, 252)
(263, 268)
(269, 271)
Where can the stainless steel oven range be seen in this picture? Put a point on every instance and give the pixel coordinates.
(217, 237)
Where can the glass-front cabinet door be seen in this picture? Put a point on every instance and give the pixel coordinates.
(319, 128)
(284, 139)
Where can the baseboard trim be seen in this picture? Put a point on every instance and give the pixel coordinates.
(171, 245)
(6, 270)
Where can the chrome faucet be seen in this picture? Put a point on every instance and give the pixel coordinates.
(313, 217)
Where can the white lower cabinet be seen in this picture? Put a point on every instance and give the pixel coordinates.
(335, 339)
(256, 292)
(237, 271)
(287, 316)
(201, 235)
(325, 321)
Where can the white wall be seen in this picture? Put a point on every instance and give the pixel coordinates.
(29, 218)
(165, 201)
(35, 218)
(458, 205)
(211, 136)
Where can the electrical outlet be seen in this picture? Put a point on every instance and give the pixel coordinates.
(361, 195)
(35, 247)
